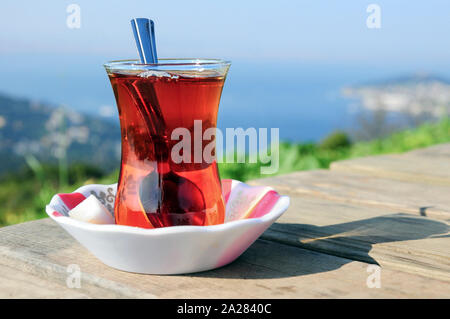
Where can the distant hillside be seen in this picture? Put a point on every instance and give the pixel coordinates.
(418, 95)
(407, 79)
(47, 132)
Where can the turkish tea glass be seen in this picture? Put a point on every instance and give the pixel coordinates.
(168, 172)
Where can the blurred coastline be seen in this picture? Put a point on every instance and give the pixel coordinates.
(306, 105)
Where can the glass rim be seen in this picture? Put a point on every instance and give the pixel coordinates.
(167, 62)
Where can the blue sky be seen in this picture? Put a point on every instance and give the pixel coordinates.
(317, 31)
(290, 58)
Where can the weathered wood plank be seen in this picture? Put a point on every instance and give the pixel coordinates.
(435, 151)
(405, 167)
(345, 187)
(399, 167)
(267, 269)
(24, 249)
(387, 237)
(15, 284)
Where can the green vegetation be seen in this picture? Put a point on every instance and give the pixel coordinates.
(337, 146)
(24, 195)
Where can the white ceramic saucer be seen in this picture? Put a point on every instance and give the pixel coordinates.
(173, 250)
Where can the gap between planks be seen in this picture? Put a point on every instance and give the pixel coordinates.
(389, 238)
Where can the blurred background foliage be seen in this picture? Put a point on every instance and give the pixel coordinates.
(24, 194)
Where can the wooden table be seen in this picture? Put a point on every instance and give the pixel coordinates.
(375, 227)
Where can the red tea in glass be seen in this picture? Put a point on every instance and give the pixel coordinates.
(154, 189)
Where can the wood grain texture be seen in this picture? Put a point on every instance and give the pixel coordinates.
(387, 237)
(358, 188)
(415, 167)
(435, 151)
(41, 249)
(19, 284)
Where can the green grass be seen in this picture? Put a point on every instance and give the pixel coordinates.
(24, 195)
(337, 146)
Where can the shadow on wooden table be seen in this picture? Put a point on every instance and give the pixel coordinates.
(277, 254)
